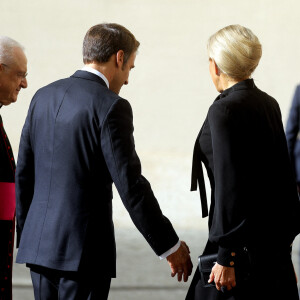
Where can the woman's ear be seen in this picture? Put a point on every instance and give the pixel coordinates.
(217, 70)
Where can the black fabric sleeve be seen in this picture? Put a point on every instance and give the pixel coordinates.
(118, 148)
(24, 178)
(230, 164)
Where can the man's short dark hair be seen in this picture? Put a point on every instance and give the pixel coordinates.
(103, 40)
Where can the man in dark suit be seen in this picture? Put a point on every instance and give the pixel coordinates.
(292, 135)
(77, 140)
(13, 68)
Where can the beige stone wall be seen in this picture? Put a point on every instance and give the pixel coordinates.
(170, 89)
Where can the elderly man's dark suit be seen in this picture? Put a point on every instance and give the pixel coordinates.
(77, 140)
(7, 227)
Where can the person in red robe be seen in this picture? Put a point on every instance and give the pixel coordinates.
(13, 72)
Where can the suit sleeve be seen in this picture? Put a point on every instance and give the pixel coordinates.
(229, 217)
(24, 178)
(292, 127)
(135, 191)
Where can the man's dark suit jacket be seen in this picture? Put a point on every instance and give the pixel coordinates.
(77, 140)
(292, 133)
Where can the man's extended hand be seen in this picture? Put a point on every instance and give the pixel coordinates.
(180, 262)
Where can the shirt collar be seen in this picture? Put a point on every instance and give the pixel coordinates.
(96, 72)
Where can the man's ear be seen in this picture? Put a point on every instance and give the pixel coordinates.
(120, 58)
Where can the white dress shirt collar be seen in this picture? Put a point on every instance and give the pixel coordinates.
(96, 72)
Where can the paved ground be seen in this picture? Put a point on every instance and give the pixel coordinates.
(141, 275)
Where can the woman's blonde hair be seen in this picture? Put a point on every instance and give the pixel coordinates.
(235, 50)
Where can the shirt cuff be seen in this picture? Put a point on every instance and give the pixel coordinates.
(171, 251)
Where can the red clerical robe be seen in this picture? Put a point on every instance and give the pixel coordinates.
(7, 214)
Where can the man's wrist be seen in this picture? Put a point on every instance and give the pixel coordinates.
(170, 251)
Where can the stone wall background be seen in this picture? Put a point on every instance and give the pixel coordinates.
(170, 91)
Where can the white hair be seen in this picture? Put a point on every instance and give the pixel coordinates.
(7, 46)
(236, 51)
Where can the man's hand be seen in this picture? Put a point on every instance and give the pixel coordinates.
(180, 262)
(223, 277)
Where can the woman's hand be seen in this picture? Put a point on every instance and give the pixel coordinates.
(223, 277)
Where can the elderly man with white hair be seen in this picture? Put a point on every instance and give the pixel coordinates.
(13, 72)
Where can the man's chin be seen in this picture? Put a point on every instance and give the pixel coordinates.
(7, 102)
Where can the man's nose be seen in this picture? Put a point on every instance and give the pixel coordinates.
(24, 83)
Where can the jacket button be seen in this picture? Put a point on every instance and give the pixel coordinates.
(231, 263)
(232, 253)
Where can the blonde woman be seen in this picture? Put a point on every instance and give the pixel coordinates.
(254, 214)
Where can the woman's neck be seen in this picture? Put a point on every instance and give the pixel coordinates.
(227, 82)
